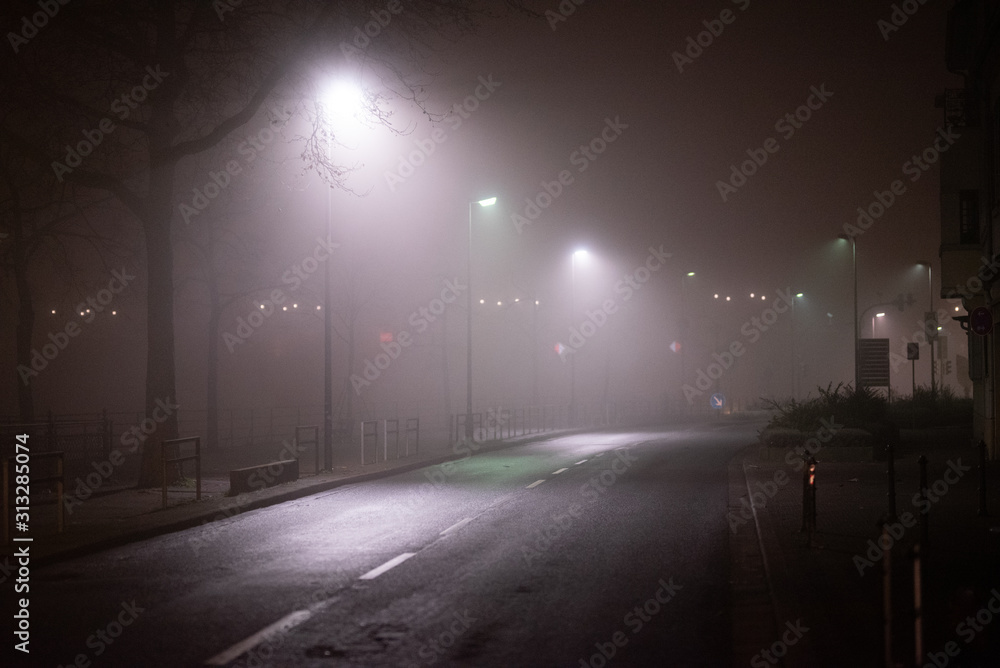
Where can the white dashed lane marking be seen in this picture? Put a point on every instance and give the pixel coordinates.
(392, 563)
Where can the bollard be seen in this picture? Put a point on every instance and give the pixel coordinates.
(887, 595)
(925, 510)
(890, 472)
(982, 478)
(809, 497)
(918, 609)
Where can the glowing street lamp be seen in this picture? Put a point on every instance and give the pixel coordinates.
(932, 337)
(490, 201)
(854, 260)
(581, 255)
(340, 101)
(877, 315)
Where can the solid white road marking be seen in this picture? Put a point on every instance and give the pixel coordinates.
(559, 471)
(283, 625)
(392, 563)
(456, 526)
(535, 484)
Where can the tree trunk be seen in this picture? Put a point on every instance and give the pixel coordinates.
(160, 378)
(212, 372)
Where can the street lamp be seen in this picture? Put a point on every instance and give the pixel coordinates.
(795, 374)
(932, 335)
(854, 260)
(877, 315)
(685, 325)
(338, 103)
(490, 201)
(580, 254)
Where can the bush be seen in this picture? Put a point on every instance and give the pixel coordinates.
(859, 408)
(921, 410)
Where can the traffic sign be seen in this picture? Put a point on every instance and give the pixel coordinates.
(718, 400)
(981, 321)
(912, 351)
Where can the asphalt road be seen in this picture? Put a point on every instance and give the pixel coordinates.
(557, 553)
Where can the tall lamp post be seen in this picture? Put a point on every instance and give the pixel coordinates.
(931, 335)
(578, 254)
(490, 201)
(685, 325)
(857, 335)
(795, 371)
(340, 102)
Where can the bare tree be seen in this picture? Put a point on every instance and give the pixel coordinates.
(124, 93)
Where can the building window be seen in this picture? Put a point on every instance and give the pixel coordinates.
(968, 218)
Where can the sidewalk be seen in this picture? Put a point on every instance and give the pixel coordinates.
(130, 515)
(822, 604)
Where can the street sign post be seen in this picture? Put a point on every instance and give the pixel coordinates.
(913, 354)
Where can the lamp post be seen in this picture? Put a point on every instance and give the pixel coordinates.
(931, 335)
(578, 254)
(877, 315)
(854, 260)
(338, 103)
(490, 201)
(795, 373)
(685, 325)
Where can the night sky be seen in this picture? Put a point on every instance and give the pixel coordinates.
(680, 116)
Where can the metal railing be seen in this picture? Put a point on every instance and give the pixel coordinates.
(298, 442)
(180, 460)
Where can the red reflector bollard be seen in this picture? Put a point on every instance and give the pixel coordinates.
(809, 497)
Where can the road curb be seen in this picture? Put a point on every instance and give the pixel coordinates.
(275, 498)
(769, 583)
